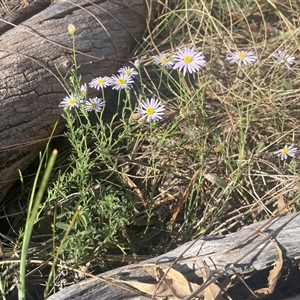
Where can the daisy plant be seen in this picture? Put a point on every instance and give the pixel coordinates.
(286, 151)
(195, 137)
(283, 58)
(188, 60)
(242, 57)
(151, 110)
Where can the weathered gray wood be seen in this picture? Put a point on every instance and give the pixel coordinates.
(218, 252)
(13, 14)
(29, 54)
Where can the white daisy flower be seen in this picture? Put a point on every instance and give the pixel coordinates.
(151, 110)
(283, 58)
(100, 82)
(95, 104)
(84, 89)
(286, 151)
(163, 60)
(136, 63)
(69, 102)
(121, 81)
(128, 71)
(242, 57)
(188, 60)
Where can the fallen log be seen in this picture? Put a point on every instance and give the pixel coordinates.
(34, 44)
(247, 251)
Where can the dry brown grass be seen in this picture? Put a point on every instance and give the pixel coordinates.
(240, 119)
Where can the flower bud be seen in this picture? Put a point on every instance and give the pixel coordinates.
(72, 30)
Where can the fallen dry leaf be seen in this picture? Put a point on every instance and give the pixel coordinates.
(174, 285)
(213, 291)
(150, 288)
(273, 276)
(282, 207)
(176, 282)
(213, 178)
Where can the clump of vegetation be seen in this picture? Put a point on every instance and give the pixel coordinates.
(203, 140)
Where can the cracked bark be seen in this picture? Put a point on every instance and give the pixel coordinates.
(31, 89)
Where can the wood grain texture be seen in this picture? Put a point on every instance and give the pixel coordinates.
(30, 52)
(218, 252)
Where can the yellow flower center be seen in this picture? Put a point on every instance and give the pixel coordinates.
(150, 111)
(241, 56)
(164, 60)
(93, 105)
(121, 81)
(72, 101)
(128, 72)
(100, 81)
(285, 150)
(187, 60)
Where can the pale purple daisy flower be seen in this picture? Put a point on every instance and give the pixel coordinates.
(286, 151)
(283, 58)
(128, 71)
(100, 82)
(188, 60)
(163, 60)
(242, 57)
(151, 110)
(84, 88)
(136, 63)
(121, 81)
(69, 102)
(95, 104)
